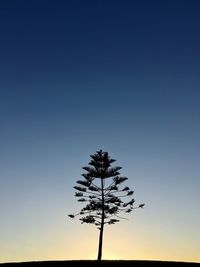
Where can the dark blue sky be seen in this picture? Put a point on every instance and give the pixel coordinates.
(77, 76)
(70, 58)
(41, 40)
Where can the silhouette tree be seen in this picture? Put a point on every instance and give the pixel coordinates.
(101, 191)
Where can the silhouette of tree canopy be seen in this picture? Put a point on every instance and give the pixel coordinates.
(101, 190)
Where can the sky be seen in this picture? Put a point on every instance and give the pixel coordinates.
(79, 76)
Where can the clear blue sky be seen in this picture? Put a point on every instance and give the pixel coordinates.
(78, 76)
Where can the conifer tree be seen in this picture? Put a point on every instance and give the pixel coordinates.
(101, 191)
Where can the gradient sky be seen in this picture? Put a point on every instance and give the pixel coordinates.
(78, 76)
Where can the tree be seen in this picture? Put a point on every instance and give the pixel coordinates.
(101, 191)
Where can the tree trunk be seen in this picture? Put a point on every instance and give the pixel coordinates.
(100, 242)
(102, 223)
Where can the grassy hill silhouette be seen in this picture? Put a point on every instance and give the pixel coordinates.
(105, 263)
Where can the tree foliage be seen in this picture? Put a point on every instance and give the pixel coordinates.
(101, 190)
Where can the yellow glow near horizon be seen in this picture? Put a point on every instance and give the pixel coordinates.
(111, 255)
(129, 240)
(107, 255)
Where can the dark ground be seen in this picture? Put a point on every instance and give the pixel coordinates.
(106, 263)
